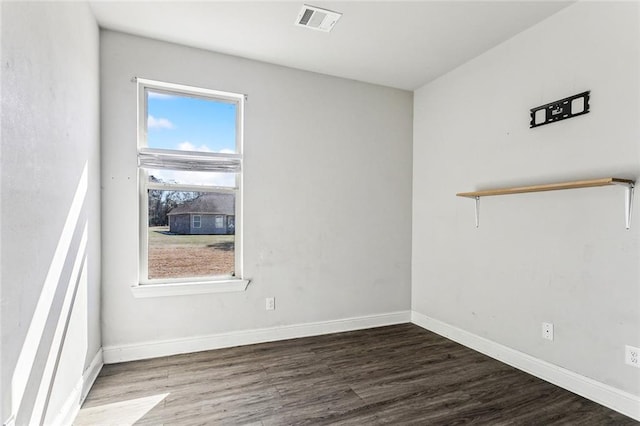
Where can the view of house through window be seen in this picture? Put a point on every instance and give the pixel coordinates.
(190, 234)
(189, 156)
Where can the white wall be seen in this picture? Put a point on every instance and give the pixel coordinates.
(562, 257)
(327, 218)
(50, 311)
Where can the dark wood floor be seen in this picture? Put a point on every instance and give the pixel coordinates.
(399, 375)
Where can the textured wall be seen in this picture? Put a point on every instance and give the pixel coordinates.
(50, 227)
(563, 257)
(327, 201)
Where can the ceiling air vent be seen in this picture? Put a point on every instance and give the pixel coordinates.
(317, 19)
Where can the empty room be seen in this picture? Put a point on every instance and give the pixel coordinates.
(349, 212)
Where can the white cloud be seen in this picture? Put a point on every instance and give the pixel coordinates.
(196, 178)
(159, 123)
(188, 146)
(156, 95)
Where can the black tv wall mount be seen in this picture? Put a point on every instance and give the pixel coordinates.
(559, 110)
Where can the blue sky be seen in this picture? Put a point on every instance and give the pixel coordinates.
(192, 124)
(180, 122)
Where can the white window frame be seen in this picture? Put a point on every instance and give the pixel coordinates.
(150, 158)
(193, 221)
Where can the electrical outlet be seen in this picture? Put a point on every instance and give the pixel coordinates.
(270, 303)
(547, 330)
(632, 356)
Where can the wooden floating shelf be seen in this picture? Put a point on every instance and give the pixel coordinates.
(590, 183)
(548, 187)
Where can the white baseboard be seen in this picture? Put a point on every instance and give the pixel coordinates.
(71, 407)
(113, 354)
(616, 399)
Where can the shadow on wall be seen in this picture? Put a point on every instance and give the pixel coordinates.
(37, 365)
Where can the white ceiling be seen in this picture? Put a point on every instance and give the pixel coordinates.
(393, 43)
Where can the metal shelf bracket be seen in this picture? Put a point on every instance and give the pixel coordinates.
(628, 203)
(477, 212)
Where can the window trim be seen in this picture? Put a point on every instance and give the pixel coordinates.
(228, 162)
(193, 221)
(186, 288)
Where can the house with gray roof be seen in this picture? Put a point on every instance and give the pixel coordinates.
(209, 214)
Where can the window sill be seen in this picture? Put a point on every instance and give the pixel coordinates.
(182, 289)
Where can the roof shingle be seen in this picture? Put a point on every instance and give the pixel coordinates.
(213, 203)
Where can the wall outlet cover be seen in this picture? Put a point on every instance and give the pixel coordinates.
(632, 356)
(270, 303)
(547, 330)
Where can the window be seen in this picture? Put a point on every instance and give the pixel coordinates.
(197, 221)
(190, 175)
(219, 222)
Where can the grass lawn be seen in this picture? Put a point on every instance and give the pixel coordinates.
(180, 256)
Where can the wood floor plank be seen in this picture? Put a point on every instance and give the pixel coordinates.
(400, 374)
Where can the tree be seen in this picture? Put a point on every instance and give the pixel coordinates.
(162, 201)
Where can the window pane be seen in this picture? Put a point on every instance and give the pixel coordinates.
(191, 234)
(193, 178)
(187, 123)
